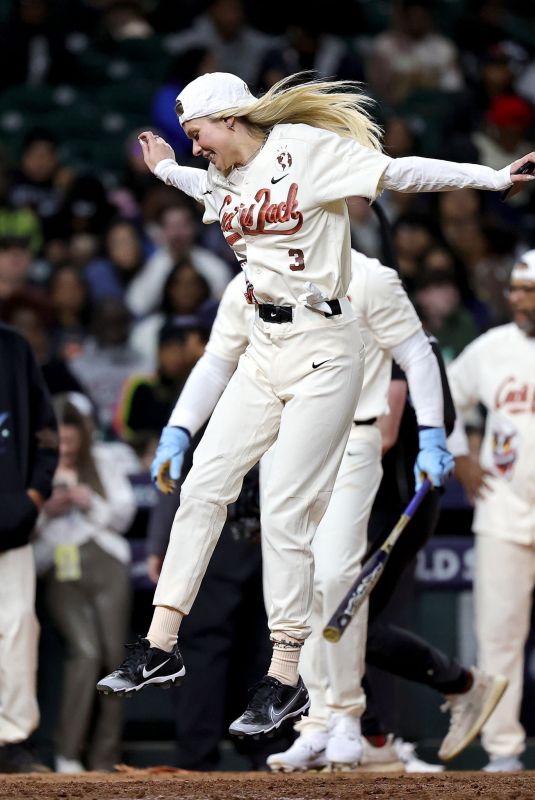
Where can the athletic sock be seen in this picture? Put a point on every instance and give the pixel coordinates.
(164, 628)
(285, 661)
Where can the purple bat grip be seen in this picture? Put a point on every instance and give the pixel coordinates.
(418, 497)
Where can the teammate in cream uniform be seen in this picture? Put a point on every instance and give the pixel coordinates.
(330, 733)
(498, 370)
(280, 169)
(387, 320)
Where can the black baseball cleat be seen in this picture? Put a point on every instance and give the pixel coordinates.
(144, 665)
(271, 703)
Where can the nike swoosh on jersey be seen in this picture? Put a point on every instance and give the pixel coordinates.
(276, 180)
(315, 366)
(148, 672)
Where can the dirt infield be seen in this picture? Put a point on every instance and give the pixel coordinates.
(153, 785)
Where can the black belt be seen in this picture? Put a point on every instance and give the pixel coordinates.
(370, 421)
(270, 313)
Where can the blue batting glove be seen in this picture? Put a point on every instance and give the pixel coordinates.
(434, 460)
(167, 463)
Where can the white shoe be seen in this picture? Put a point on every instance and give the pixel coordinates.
(383, 758)
(344, 745)
(504, 764)
(69, 766)
(307, 752)
(406, 752)
(470, 711)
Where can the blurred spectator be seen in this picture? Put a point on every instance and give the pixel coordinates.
(69, 297)
(33, 45)
(235, 45)
(412, 55)
(186, 294)
(493, 77)
(490, 276)
(413, 234)
(307, 46)
(483, 246)
(441, 258)
(107, 359)
(84, 560)
(459, 217)
(84, 211)
(486, 23)
(82, 248)
(85, 207)
(178, 231)
(399, 139)
(147, 401)
(40, 182)
(505, 134)
(438, 301)
(30, 312)
(496, 76)
(120, 20)
(124, 257)
(525, 83)
(15, 265)
(28, 458)
(21, 223)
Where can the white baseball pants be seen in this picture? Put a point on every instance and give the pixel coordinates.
(19, 637)
(276, 394)
(503, 585)
(333, 672)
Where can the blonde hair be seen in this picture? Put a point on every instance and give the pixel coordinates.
(336, 106)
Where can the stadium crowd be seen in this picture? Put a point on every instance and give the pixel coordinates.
(114, 283)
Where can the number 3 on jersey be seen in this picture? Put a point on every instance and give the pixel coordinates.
(299, 260)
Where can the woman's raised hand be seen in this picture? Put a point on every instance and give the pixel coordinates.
(154, 149)
(521, 172)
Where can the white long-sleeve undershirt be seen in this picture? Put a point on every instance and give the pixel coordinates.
(190, 180)
(201, 392)
(417, 360)
(415, 174)
(409, 174)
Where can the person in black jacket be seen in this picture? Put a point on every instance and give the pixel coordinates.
(28, 458)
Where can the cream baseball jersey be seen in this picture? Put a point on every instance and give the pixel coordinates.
(498, 370)
(285, 213)
(385, 314)
(386, 318)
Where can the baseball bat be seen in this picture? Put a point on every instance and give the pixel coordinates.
(371, 572)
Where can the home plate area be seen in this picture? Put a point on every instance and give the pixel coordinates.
(158, 784)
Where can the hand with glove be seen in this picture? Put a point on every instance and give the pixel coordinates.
(167, 463)
(434, 461)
